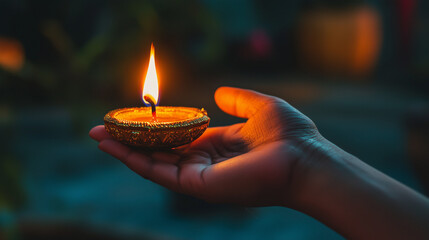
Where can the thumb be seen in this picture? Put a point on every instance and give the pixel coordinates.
(241, 102)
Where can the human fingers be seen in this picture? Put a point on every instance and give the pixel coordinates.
(99, 133)
(167, 157)
(241, 102)
(205, 141)
(214, 135)
(217, 140)
(160, 172)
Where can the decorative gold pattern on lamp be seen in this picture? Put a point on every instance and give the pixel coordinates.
(175, 126)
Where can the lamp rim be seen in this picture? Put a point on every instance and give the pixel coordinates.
(200, 118)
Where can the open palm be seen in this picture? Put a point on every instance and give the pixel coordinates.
(248, 163)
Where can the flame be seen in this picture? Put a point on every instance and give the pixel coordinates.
(150, 86)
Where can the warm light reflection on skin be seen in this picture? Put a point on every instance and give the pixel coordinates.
(150, 86)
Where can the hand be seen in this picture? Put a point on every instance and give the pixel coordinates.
(279, 158)
(251, 163)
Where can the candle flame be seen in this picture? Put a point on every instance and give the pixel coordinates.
(150, 86)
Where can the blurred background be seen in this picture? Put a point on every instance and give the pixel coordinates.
(359, 69)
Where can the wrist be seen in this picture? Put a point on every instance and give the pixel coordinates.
(325, 183)
(353, 198)
(321, 166)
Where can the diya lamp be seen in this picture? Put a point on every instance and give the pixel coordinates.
(154, 126)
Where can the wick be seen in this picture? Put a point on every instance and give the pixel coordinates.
(151, 100)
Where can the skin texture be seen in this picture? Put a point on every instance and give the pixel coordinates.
(277, 157)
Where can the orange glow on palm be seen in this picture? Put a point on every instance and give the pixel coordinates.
(150, 86)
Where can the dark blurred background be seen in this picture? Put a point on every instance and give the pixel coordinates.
(359, 69)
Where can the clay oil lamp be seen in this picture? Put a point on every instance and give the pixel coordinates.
(155, 126)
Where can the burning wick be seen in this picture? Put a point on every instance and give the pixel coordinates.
(151, 100)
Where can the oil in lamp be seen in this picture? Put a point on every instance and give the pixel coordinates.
(154, 126)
